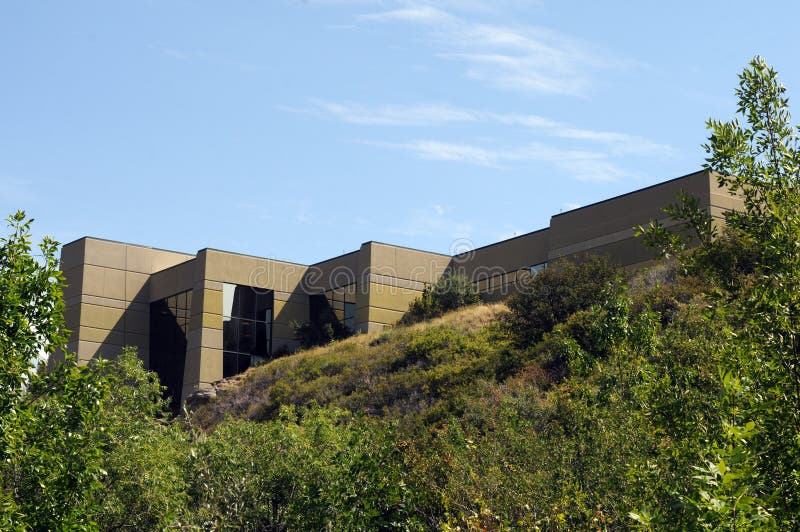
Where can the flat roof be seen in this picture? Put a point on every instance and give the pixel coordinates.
(336, 257)
(406, 247)
(630, 193)
(253, 256)
(193, 255)
(126, 244)
(504, 241)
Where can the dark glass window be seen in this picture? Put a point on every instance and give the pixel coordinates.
(342, 302)
(228, 364)
(169, 326)
(349, 315)
(246, 327)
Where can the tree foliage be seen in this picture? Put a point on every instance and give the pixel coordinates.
(31, 313)
(49, 444)
(748, 475)
(556, 293)
(450, 292)
(59, 428)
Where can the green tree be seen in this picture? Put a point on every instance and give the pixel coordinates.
(49, 443)
(31, 315)
(748, 475)
(555, 294)
(31, 328)
(760, 161)
(311, 469)
(145, 454)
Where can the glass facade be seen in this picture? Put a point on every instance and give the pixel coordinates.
(246, 327)
(342, 301)
(536, 268)
(169, 326)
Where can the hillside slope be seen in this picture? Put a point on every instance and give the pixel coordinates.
(405, 369)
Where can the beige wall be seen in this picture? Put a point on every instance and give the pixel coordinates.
(498, 269)
(111, 284)
(391, 277)
(604, 228)
(607, 227)
(214, 267)
(333, 273)
(107, 294)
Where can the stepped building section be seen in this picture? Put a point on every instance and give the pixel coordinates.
(196, 318)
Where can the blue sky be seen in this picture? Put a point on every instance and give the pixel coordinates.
(300, 129)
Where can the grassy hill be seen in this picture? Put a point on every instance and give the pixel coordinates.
(559, 409)
(405, 369)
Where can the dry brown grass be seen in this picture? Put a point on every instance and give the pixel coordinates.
(350, 372)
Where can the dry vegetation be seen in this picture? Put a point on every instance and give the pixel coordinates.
(405, 368)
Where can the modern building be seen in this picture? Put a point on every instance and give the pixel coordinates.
(196, 318)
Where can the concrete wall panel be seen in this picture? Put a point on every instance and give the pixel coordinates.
(72, 254)
(92, 334)
(211, 321)
(624, 212)
(389, 298)
(385, 316)
(172, 281)
(104, 253)
(74, 281)
(101, 317)
(137, 287)
(252, 271)
(137, 322)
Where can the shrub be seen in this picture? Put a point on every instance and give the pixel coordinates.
(449, 293)
(311, 469)
(555, 294)
(323, 330)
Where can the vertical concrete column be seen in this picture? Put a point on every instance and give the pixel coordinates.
(95, 271)
(138, 267)
(363, 287)
(204, 343)
(72, 262)
(107, 295)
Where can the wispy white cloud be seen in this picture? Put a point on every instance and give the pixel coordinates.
(437, 114)
(525, 58)
(421, 13)
(592, 170)
(434, 150)
(396, 115)
(445, 151)
(582, 165)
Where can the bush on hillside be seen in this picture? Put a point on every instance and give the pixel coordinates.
(311, 469)
(555, 294)
(324, 330)
(449, 293)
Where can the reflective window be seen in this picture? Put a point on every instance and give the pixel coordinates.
(169, 326)
(349, 315)
(341, 302)
(246, 327)
(536, 268)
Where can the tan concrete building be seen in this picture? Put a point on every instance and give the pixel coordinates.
(195, 319)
